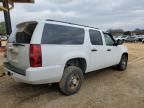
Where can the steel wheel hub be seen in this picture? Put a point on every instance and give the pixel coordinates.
(74, 81)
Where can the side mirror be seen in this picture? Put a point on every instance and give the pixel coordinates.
(119, 42)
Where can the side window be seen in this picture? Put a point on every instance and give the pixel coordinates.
(109, 41)
(65, 35)
(95, 37)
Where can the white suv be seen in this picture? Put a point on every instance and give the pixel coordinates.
(59, 52)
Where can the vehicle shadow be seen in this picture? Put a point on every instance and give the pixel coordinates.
(20, 93)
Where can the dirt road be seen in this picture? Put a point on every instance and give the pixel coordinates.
(1, 58)
(107, 88)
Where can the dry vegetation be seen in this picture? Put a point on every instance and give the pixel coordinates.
(107, 88)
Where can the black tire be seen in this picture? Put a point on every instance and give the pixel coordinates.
(71, 81)
(123, 63)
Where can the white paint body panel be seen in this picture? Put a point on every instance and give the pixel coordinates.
(54, 57)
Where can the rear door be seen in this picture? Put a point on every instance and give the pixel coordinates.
(18, 45)
(59, 42)
(97, 51)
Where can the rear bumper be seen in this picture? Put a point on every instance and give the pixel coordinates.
(42, 75)
(14, 69)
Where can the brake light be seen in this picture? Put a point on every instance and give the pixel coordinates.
(35, 55)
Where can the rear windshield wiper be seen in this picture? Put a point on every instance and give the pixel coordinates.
(17, 44)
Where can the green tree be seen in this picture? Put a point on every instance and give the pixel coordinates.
(2, 28)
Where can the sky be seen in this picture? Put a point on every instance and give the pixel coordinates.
(104, 14)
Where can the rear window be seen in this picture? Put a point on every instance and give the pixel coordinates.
(58, 34)
(23, 33)
(95, 37)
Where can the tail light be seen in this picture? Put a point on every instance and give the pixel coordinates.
(35, 55)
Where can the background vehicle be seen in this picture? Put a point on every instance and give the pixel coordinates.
(140, 38)
(118, 38)
(41, 52)
(3, 38)
(123, 38)
(132, 39)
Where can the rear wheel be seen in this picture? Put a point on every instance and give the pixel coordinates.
(123, 63)
(71, 81)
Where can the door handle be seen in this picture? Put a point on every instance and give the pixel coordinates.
(108, 49)
(94, 50)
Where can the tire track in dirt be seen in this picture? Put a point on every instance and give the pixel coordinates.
(1, 71)
(20, 102)
(139, 59)
(44, 91)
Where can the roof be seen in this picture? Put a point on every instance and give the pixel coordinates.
(71, 23)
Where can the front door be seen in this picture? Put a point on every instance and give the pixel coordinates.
(97, 53)
(112, 51)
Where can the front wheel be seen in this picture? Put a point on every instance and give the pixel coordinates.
(123, 63)
(71, 81)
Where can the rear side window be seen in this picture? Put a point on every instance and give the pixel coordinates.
(95, 37)
(23, 33)
(58, 34)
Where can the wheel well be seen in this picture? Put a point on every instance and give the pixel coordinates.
(78, 62)
(125, 54)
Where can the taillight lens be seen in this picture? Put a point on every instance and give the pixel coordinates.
(35, 55)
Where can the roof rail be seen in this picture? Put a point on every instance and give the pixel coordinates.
(70, 23)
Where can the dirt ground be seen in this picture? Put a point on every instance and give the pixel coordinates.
(1, 58)
(106, 88)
